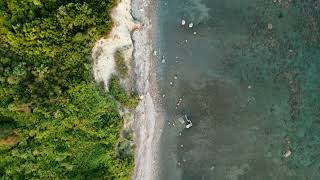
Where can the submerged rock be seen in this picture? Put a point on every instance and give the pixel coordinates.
(270, 26)
(287, 154)
(183, 22)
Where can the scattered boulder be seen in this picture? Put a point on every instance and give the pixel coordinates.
(212, 168)
(287, 154)
(183, 22)
(270, 26)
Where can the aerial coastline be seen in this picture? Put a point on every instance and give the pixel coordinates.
(159, 89)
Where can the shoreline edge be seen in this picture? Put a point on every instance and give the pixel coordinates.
(134, 29)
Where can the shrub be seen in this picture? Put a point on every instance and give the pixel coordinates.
(120, 94)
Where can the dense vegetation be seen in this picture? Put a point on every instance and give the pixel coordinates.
(54, 122)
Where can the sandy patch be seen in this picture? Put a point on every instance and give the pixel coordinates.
(10, 140)
(119, 38)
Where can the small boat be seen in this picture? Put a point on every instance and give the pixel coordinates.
(186, 121)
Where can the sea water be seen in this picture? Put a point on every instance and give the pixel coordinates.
(247, 73)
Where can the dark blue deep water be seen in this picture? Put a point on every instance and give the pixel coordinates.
(248, 73)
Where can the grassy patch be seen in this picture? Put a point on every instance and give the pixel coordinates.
(121, 65)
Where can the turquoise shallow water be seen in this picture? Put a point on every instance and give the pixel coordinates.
(249, 79)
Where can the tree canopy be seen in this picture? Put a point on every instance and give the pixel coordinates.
(55, 123)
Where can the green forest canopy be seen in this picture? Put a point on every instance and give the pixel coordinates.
(55, 123)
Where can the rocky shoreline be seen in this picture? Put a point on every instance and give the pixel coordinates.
(134, 30)
(148, 121)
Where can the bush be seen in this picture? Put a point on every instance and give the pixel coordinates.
(133, 101)
(120, 94)
(125, 149)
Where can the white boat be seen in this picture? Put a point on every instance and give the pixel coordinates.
(185, 121)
